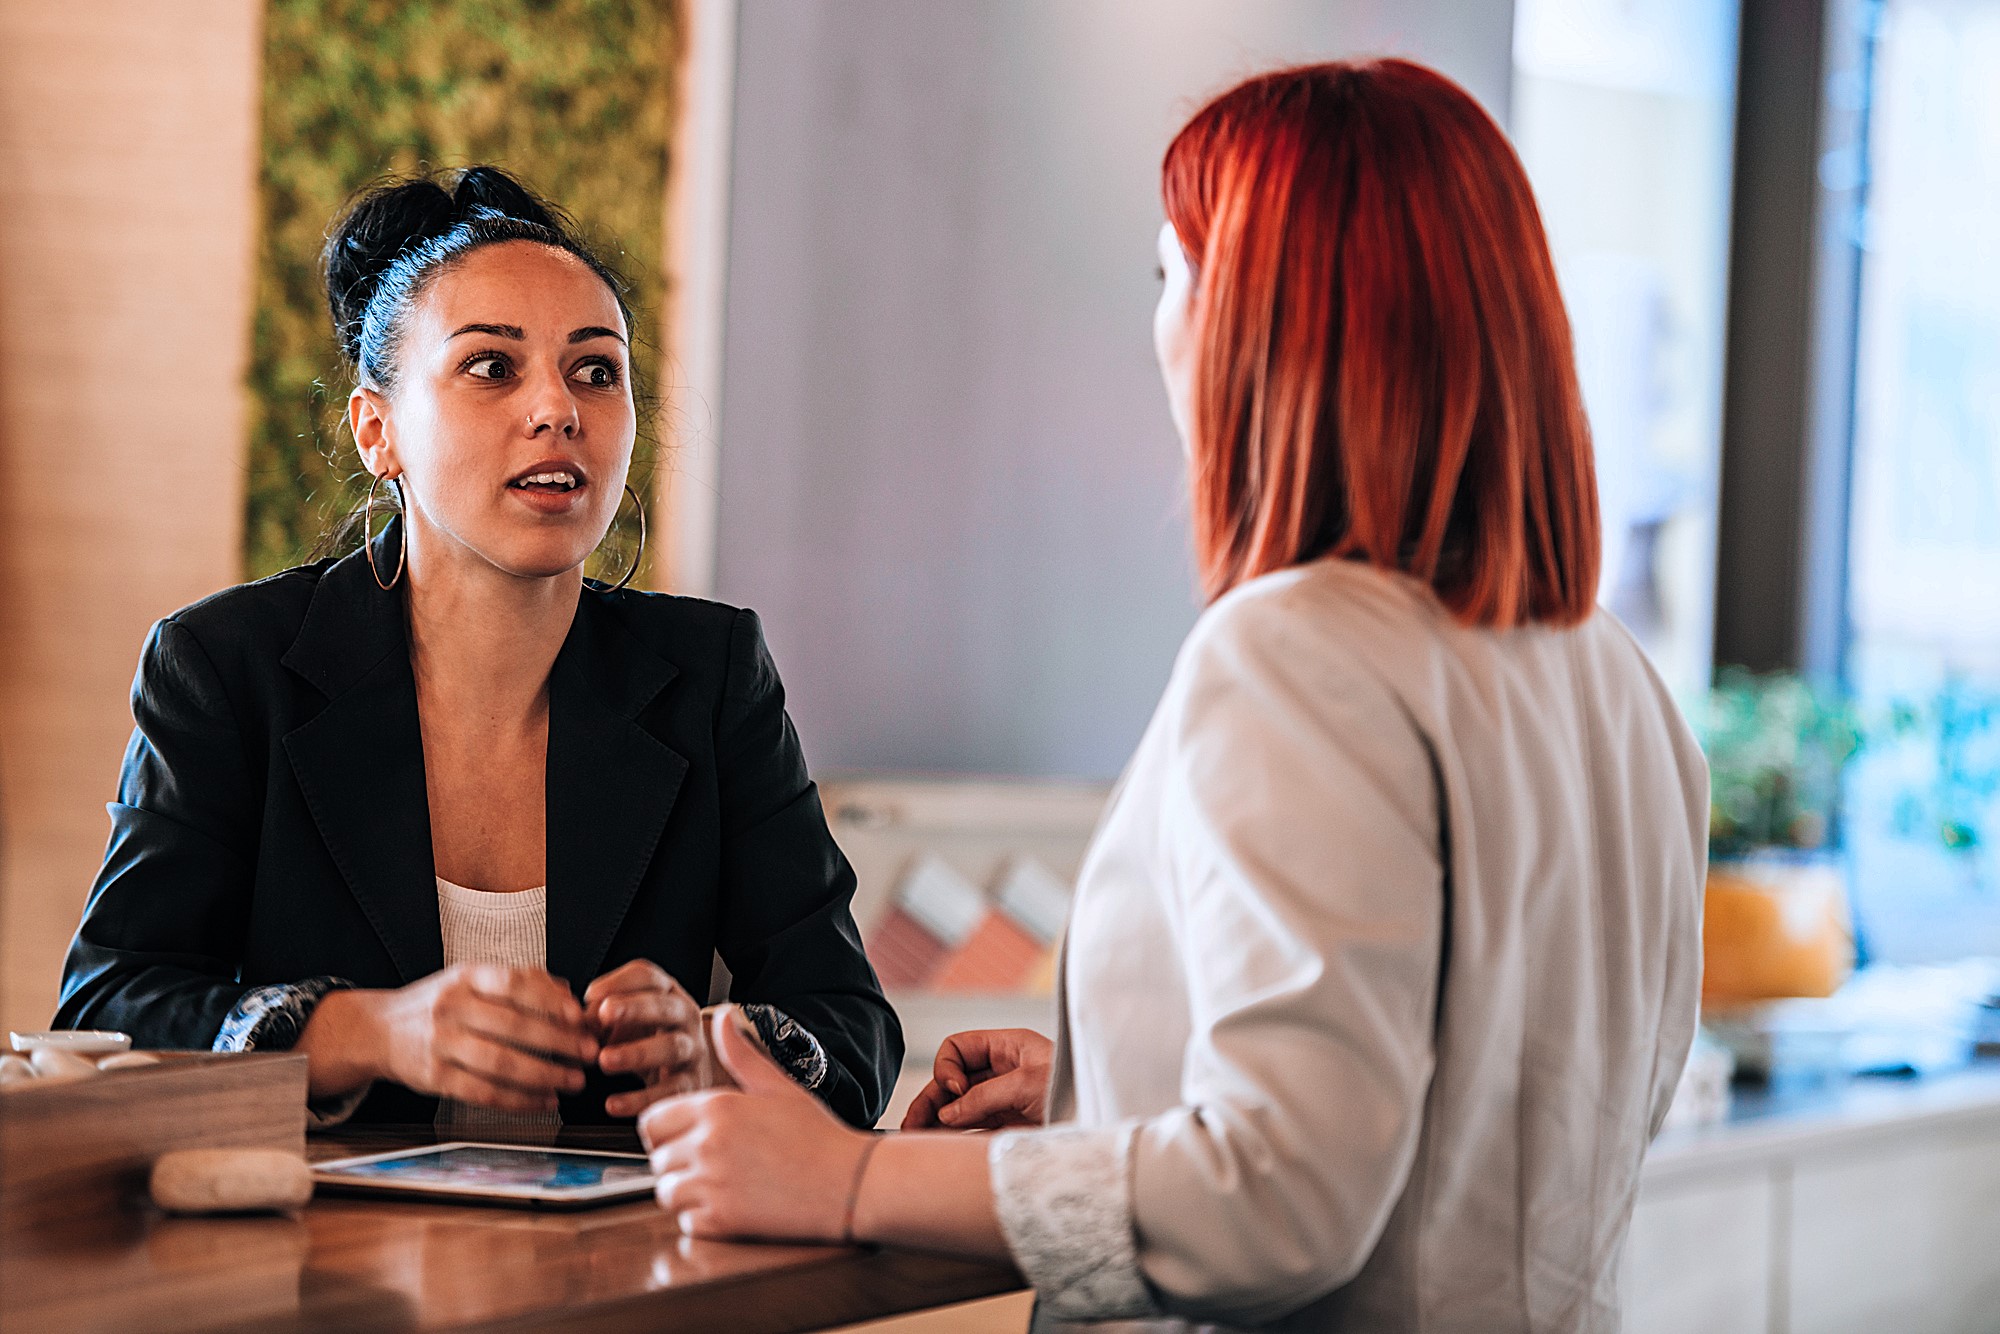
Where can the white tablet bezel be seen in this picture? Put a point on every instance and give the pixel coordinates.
(325, 1173)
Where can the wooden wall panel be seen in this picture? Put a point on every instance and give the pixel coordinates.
(127, 217)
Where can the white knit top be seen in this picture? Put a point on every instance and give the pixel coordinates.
(509, 929)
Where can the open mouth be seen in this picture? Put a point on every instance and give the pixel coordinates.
(554, 481)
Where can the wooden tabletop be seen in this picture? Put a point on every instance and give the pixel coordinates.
(353, 1264)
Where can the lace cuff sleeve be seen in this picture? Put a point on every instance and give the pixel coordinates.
(1064, 1196)
(790, 1045)
(270, 1018)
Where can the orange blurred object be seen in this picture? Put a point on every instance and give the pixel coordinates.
(998, 956)
(1775, 929)
(936, 911)
(1012, 946)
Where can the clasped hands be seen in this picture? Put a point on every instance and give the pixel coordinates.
(514, 1039)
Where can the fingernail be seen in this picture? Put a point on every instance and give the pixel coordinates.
(948, 1113)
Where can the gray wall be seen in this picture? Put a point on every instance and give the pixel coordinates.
(948, 478)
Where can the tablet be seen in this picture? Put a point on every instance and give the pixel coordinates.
(467, 1173)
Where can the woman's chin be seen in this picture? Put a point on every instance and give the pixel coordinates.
(540, 562)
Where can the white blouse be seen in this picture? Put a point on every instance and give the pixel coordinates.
(1380, 973)
(484, 927)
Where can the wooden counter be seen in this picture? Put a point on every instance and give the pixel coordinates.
(352, 1264)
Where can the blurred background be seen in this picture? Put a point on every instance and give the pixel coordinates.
(894, 264)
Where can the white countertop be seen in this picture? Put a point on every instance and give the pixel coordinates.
(1834, 1116)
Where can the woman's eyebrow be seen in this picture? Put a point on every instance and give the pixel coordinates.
(513, 331)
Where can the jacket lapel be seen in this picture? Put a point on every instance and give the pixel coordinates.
(360, 761)
(611, 785)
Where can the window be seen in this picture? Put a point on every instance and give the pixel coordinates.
(1923, 646)
(1623, 113)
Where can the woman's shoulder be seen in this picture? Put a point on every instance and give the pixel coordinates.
(263, 613)
(674, 623)
(1335, 630)
(1392, 624)
(1323, 643)
(1337, 639)
(715, 647)
(1328, 613)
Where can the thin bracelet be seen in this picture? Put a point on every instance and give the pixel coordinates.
(854, 1191)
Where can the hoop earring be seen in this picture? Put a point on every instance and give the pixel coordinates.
(638, 555)
(367, 543)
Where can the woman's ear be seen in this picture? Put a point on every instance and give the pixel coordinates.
(368, 419)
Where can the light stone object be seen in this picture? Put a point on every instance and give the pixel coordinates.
(213, 1181)
(55, 1065)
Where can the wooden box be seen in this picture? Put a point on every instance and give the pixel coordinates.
(84, 1147)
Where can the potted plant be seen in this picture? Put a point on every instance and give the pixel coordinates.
(1776, 921)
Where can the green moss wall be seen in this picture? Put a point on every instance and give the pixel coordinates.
(574, 96)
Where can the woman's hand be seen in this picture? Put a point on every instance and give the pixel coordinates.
(764, 1159)
(650, 1027)
(507, 1038)
(988, 1079)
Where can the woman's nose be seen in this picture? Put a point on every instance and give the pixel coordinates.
(553, 409)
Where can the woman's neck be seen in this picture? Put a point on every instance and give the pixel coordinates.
(482, 641)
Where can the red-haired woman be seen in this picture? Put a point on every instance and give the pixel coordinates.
(1383, 965)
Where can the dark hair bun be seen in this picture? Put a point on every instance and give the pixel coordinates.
(393, 218)
(495, 191)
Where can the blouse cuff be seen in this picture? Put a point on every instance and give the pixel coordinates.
(790, 1045)
(1064, 1196)
(271, 1018)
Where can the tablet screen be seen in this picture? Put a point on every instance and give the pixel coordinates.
(496, 1170)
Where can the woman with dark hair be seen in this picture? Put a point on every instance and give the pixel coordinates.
(467, 829)
(1383, 963)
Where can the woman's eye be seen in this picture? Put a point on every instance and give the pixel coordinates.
(488, 368)
(596, 374)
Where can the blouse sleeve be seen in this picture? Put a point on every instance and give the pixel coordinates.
(1300, 822)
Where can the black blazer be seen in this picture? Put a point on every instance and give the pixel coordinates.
(272, 824)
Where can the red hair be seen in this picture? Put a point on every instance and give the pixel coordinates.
(1382, 366)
